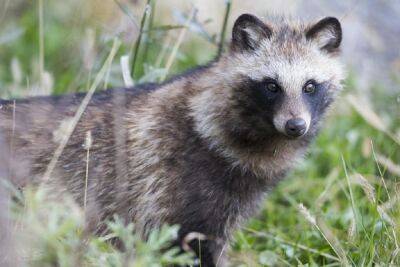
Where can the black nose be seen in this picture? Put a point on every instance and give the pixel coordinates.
(295, 127)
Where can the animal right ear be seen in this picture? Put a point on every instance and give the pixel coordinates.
(327, 33)
(247, 33)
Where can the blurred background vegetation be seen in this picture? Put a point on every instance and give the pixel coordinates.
(339, 207)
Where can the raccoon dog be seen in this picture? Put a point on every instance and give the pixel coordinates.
(200, 150)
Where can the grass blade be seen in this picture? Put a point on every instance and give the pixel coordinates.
(178, 43)
(388, 163)
(126, 75)
(320, 225)
(146, 12)
(81, 109)
(295, 245)
(371, 117)
(353, 205)
(41, 44)
(228, 4)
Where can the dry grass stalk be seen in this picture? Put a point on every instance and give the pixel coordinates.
(379, 169)
(389, 164)
(353, 205)
(81, 109)
(293, 244)
(220, 255)
(369, 115)
(88, 145)
(325, 195)
(178, 43)
(190, 237)
(351, 232)
(126, 74)
(161, 55)
(391, 202)
(328, 235)
(365, 110)
(368, 189)
(385, 216)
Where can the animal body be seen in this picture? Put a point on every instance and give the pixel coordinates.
(200, 150)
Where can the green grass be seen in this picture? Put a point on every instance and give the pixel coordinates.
(349, 208)
(339, 207)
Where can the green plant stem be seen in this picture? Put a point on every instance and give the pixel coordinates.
(149, 33)
(178, 44)
(41, 44)
(139, 39)
(224, 26)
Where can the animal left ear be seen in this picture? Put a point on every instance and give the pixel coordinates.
(327, 33)
(248, 32)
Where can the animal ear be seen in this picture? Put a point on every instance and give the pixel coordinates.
(327, 33)
(247, 33)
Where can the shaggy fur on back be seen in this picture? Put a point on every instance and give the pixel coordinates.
(201, 150)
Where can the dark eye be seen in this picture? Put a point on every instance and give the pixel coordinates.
(272, 87)
(310, 87)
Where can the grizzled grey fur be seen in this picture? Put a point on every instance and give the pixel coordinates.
(200, 150)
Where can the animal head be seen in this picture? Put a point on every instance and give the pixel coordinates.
(283, 75)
